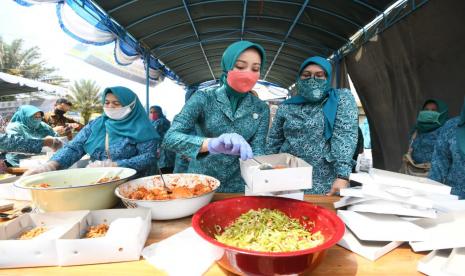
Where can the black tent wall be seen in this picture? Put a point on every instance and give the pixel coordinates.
(420, 57)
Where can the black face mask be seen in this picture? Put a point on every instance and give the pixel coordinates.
(59, 112)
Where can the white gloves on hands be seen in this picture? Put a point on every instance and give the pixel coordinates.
(104, 163)
(47, 167)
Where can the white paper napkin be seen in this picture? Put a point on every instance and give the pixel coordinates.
(187, 248)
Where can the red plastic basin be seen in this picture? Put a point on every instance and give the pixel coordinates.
(248, 262)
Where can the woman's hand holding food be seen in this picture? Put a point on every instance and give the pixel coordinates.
(47, 167)
(231, 144)
(103, 163)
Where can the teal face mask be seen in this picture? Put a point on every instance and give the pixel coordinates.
(312, 89)
(35, 123)
(427, 116)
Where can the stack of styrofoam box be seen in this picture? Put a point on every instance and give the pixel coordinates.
(62, 244)
(390, 209)
(287, 182)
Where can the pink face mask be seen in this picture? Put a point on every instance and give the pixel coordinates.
(153, 116)
(242, 81)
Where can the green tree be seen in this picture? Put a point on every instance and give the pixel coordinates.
(17, 60)
(85, 98)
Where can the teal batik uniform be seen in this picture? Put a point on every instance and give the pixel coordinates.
(427, 132)
(448, 163)
(161, 126)
(23, 124)
(323, 133)
(211, 113)
(132, 140)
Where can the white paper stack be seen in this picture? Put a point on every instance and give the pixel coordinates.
(390, 208)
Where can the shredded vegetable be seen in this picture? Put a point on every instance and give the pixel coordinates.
(269, 231)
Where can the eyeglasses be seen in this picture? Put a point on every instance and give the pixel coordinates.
(316, 75)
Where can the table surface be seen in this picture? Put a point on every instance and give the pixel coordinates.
(338, 261)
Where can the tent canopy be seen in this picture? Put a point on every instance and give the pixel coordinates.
(189, 37)
(11, 84)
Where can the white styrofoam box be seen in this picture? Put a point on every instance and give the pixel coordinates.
(399, 194)
(391, 207)
(352, 192)
(347, 200)
(419, 184)
(455, 264)
(371, 250)
(128, 232)
(184, 253)
(297, 175)
(10, 191)
(432, 263)
(40, 251)
(299, 194)
(449, 206)
(376, 227)
(445, 231)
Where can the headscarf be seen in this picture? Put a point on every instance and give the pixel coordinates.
(135, 126)
(228, 61)
(25, 117)
(159, 111)
(461, 131)
(443, 110)
(330, 106)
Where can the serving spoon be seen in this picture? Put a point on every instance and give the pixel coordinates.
(262, 165)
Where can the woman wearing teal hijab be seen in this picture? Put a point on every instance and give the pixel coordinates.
(161, 125)
(229, 121)
(433, 115)
(123, 136)
(27, 123)
(448, 163)
(319, 125)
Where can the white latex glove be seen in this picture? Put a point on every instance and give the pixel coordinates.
(47, 167)
(104, 163)
(53, 142)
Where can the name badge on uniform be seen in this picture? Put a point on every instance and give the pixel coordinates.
(255, 116)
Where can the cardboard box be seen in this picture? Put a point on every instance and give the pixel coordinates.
(297, 175)
(299, 195)
(371, 250)
(124, 241)
(446, 231)
(433, 263)
(63, 245)
(393, 208)
(455, 262)
(376, 227)
(40, 251)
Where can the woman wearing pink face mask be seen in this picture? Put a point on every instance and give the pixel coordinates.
(229, 121)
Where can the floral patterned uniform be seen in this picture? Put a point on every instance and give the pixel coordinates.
(18, 130)
(423, 146)
(299, 130)
(448, 165)
(19, 143)
(210, 112)
(125, 152)
(166, 159)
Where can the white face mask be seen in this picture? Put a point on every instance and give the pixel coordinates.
(119, 113)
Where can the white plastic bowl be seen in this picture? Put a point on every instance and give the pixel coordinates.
(165, 209)
(74, 189)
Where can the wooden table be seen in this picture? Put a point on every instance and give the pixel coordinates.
(338, 261)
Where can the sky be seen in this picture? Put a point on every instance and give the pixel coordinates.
(38, 26)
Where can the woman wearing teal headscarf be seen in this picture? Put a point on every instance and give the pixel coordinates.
(123, 136)
(27, 123)
(161, 126)
(433, 115)
(319, 125)
(448, 162)
(229, 121)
